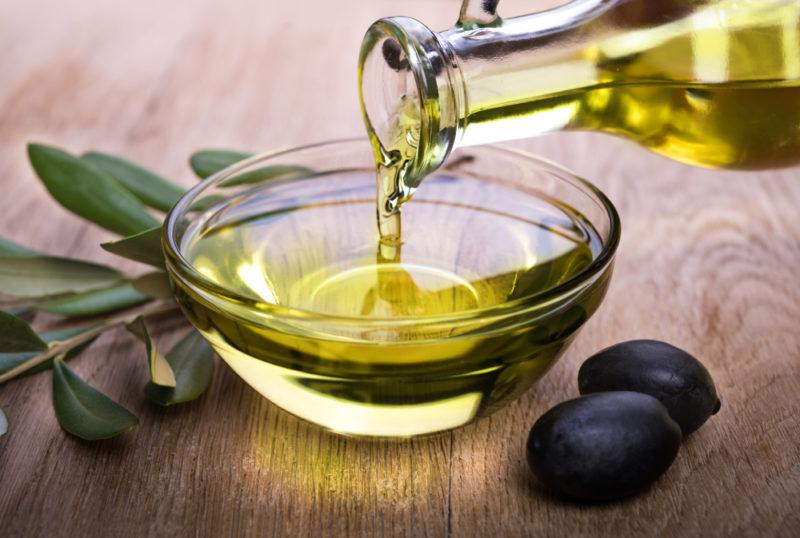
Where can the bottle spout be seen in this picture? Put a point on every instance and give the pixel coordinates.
(411, 95)
(478, 13)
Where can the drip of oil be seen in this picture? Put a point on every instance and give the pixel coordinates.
(406, 353)
(393, 165)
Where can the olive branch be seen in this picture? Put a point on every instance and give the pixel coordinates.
(92, 298)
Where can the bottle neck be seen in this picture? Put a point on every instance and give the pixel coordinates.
(423, 93)
(412, 94)
(508, 68)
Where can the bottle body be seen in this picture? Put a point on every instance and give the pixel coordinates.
(710, 82)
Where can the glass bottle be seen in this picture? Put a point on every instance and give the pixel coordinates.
(708, 82)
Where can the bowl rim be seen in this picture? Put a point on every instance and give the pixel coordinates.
(182, 269)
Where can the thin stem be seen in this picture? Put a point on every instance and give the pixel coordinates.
(62, 347)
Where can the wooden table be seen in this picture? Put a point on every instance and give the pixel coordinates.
(709, 261)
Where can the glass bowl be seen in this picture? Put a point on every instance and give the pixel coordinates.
(250, 251)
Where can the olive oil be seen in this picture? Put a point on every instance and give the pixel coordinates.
(396, 339)
(719, 88)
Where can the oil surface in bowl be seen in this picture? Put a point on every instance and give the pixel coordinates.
(399, 364)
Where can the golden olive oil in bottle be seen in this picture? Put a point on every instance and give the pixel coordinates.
(713, 83)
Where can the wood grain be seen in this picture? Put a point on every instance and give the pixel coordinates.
(709, 262)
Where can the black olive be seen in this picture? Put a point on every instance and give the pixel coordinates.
(603, 446)
(663, 371)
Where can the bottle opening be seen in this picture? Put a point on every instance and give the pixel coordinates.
(407, 95)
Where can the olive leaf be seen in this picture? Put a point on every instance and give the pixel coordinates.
(206, 202)
(9, 361)
(88, 191)
(97, 301)
(84, 411)
(3, 422)
(155, 285)
(153, 190)
(16, 335)
(7, 248)
(192, 360)
(19, 310)
(41, 276)
(144, 247)
(210, 161)
(274, 171)
(160, 371)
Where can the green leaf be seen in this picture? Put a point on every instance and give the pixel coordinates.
(42, 276)
(153, 190)
(16, 336)
(60, 335)
(275, 171)
(206, 202)
(9, 361)
(19, 310)
(84, 411)
(210, 161)
(155, 285)
(144, 247)
(192, 360)
(89, 192)
(160, 371)
(7, 248)
(95, 302)
(3, 423)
